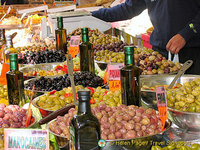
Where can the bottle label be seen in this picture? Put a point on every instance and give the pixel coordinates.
(72, 138)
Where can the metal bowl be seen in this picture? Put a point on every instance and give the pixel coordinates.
(149, 97)
(189, 121)
(37, 67)
(141, 143)
(44, 112)
(63, 142)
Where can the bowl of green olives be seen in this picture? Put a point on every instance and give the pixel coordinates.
(148, 84)
(183, 100)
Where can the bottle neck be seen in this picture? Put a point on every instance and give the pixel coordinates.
(9, 43)
(85, 37)
(84, 107)
(2, 35)
(129, 59)
(13, 65)
(60, 24)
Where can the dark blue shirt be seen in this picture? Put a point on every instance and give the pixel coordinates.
(169, 17)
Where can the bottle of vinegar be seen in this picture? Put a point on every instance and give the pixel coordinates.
(84, 127)
(61, 36)
(15, 82)
(86, 53)
(130, 79)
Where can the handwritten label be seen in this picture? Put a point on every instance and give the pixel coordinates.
(162, 103)
(114, 76)
(74, 45)
(20, 139)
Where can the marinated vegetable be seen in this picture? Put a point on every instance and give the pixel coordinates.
(177, 147)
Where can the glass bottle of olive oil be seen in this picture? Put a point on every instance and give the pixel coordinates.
(86, 53)
(61, 36)
(84, 127)
(130, 79)
(15, 82)
(9, 49)
(2, 43)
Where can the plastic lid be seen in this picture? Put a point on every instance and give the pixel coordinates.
(13, 57)
(129, 50)
(84, 30)
(84, 95)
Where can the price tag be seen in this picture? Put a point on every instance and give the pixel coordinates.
(114, 76)
(20, 139)
(162, 104)
(74, 45)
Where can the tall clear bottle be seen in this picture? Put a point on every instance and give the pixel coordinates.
(2, 43)
(9, 49)
(15, 82)
(61, 36)
(84, 127)
(86, 53)
(130, 79)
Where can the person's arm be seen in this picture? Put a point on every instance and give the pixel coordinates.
(177, 42)
(124, 11)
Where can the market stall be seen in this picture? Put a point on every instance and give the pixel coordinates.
(53, 57)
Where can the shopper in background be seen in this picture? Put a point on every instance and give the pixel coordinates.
(176, 25)
(11, 2)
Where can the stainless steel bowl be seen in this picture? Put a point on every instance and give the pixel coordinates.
(189, 121)
(149, 97)
(37, 67)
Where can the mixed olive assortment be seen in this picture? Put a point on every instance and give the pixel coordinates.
(57, 99)
(58, 83)
(185, 97)
(122, 122)
(177, 147)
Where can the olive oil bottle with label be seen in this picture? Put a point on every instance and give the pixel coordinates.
(86, 53)
(84, 128)
(130, 79)
(15, 82)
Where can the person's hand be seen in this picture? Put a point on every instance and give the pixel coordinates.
(175, 44)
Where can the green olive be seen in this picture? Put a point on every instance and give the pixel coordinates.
(195, 147)
(156, 148)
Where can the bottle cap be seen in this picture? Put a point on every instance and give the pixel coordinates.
(60, 19)
(84, 30)
(13, 57)
(84, 94)
(129, 50)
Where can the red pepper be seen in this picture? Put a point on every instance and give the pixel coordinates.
(91, 89)
(68, 94)
(52, 92)
(92, 101)
(35, 73)
(44, 48)
(175, 87)
(58, 68)
(76, 95)
(152, 89)
(105, 93)
(101, 100)
(76, 69)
